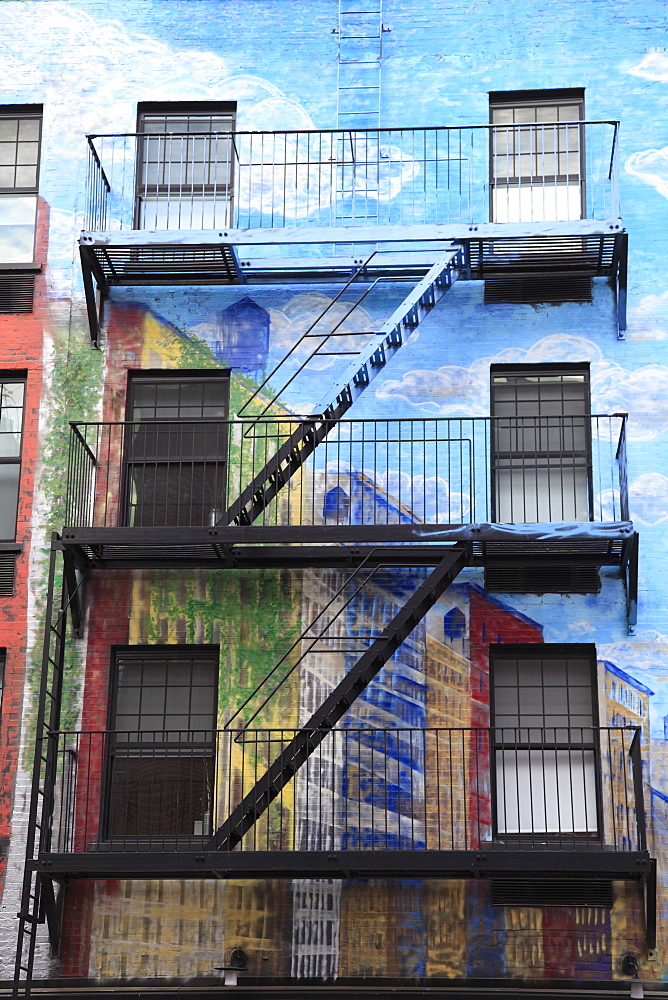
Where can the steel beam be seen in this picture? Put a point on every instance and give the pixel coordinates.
(355, 534)
(446, 232)
(630, 577)
(483, 863)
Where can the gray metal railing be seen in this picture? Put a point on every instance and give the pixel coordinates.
(558, 788)
(449, 470)
(413, 176)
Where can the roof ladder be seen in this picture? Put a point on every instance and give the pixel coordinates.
(357, 152)
(359, 60)
(337, 703)
(358, 374)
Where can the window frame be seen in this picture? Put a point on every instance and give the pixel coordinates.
(21, 376)
(179, 110)
(520, 99)
(3, 668)
(218, 462)
(24, 112)
(499, 651)
(158, 750)
(541, 369)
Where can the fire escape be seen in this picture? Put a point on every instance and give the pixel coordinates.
(294, 490)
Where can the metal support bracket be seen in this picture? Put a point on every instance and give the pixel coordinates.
(619, 280)
(96, 291)
(650, 906)
(50, 911)
(630, 578)
(74, 588)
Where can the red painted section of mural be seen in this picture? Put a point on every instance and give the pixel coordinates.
(109, 598)
(489, 622)
(21, 338)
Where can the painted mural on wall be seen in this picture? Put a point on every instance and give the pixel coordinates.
(438, 678)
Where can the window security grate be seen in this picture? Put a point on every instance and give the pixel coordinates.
(537, 288)
(7, 571)
(574, 578)
(16, 292)
(551, 892)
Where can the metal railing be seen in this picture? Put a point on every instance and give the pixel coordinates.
(561, 787)
(460, 174)
(450, 470)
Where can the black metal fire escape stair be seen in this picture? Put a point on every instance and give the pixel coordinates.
(358, 374)
(314, 731)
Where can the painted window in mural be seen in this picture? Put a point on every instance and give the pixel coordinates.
(537, 155)
(176, 448)
(541, 443)
(184, 165)
(20, 137)
(544, 715)
(160, 758)
(12, 394)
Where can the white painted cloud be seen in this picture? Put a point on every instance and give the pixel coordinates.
(650, 166)
(92, 72)
(95, 71)
(649, 319)
(310, 179)
(652, 66)
(301, 314)
(648, 498)
(647, 652)
(454, 389)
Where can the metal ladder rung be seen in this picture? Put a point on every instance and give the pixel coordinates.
(333, 354)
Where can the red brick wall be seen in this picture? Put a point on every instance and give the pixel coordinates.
(21, 349)
(488, 623)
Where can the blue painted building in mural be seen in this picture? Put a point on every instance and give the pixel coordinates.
(343, 668)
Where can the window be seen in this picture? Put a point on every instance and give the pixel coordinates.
(12, 394)
(543, 708)
(20, 136)
(541, 443)
(537, 155)
(185, 165)
(162, 742)
(176, 448)
(3, 660)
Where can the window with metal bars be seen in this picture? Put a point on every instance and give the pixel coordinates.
(176, 448)
(160, 757)
(184, 165)
(540, 443)
(537, 155)
(544, 717)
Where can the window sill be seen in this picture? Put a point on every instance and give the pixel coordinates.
(29, 267)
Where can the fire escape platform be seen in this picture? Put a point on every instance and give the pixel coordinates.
(170, 257)
(519, 262)
(332, 546)
(489, 861)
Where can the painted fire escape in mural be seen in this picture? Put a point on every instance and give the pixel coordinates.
(305, 486)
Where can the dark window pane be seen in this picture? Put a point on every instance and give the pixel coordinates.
(9, 492)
